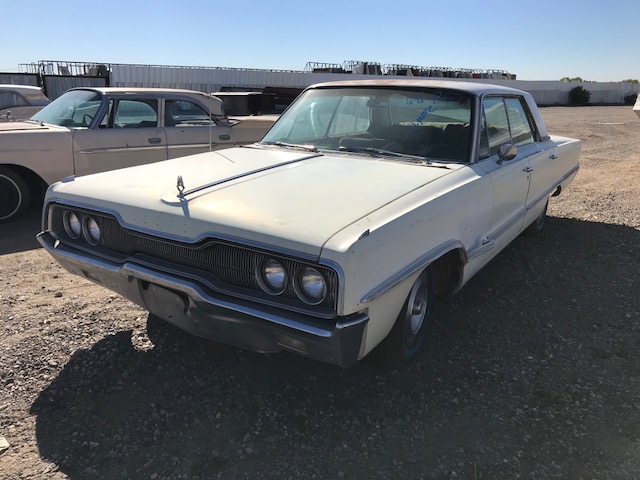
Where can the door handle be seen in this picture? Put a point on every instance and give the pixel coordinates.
(553, 156)
(527, 169)
(224, 137)
(155, 140)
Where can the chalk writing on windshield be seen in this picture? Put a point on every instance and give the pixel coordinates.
(440, 96)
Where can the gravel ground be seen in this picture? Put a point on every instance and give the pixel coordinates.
(532, 371)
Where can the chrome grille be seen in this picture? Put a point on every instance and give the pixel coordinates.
(221, 265)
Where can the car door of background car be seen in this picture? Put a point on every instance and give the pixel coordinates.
(510, 178)
(127, 134)
(190, 129)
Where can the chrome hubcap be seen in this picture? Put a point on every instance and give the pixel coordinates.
(10, 197)
(417, 307)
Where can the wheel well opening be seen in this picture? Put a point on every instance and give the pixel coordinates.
(448, 272)
(37, 186)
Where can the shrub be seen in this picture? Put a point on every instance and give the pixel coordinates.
(630, 99)
(579, 96)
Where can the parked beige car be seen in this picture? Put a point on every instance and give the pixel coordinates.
(19, 102)
(90, 130)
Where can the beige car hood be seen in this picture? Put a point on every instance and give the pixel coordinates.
(22, 126)
(290, 199)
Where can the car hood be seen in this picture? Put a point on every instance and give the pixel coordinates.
(286, 199)
(24, 126)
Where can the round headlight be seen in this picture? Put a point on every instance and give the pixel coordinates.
(272, 277)
(312, 287)
(92, 231)
(72, 225)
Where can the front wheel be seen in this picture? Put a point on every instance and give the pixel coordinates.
(14, 195)
(407, 335)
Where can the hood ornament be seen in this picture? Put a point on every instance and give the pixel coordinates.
(180, 186)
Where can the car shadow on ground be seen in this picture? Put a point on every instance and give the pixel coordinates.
(530, 371)
(20, 235)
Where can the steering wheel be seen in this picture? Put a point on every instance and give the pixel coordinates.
(415, 139)
(84, 119)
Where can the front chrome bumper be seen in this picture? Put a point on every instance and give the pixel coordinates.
(214, 316)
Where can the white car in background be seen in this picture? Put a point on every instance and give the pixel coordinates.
(19, 102)
(90, 130)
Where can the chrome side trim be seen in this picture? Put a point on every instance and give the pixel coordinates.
(521, 213)
(412, 268)
(143, 148)
(506, 225)
(482, 249)
(549, 190)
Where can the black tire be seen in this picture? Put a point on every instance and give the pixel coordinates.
(407, 335)
(15, 196)
(538, 224)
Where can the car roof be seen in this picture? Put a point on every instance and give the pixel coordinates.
(20, 88)
(475, 88)
(141, 90)
(215, 104)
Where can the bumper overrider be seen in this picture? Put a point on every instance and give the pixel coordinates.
(189, 306)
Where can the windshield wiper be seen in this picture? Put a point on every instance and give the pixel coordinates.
(39, 122)
(381, 151)
(309, 148)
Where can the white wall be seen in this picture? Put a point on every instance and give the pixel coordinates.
(214, 79)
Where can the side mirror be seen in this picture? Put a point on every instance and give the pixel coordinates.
(507, 152)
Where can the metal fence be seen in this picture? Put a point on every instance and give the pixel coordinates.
(56, 77)
(55, 85)
(29, 79)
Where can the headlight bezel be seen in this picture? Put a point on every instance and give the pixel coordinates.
(69, 222)
(88, 229)
(302, 291)
(263, 281)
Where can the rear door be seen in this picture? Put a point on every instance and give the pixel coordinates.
(190, 129)
(128, 134)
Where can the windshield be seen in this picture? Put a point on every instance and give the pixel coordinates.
(74, 109)
(430, 123)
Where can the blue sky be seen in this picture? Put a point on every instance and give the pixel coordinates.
(536, 40)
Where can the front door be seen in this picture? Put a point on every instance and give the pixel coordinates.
(501, 124)
(127, 135)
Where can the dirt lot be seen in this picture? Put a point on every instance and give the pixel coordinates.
(532, 371)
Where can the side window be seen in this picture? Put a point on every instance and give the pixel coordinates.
(12, 99)
(182, 113)
(495, 130)
(521, 133)
(504, 120)
(135, 114)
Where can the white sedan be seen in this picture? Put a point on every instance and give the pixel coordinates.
(332, 236)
